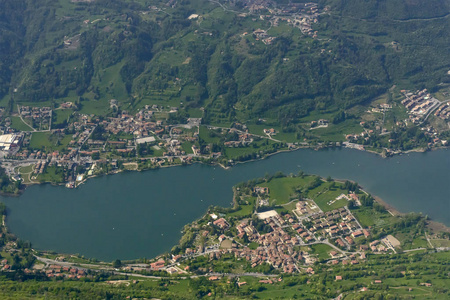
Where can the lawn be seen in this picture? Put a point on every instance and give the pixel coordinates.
(281, 189)
(52, 174)
(187, 147)
(49, 141)
(336, 133)
(321, 250)
(158, 151)
(62, 115)
(256, 147)
(369, 217)
(208, 135)
(440, 243)
(111, 84)
(194, 113)
(409, 241)
(26, 169)
(235, 153)
(96, 107)
(244, 209)
(18, 124)
(325, 193)
(291, 206)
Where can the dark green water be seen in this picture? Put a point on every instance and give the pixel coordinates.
(132, 215)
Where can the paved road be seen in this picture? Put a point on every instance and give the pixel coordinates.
(101, 268)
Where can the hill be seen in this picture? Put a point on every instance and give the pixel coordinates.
(240, 60)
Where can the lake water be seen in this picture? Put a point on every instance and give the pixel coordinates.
(140, 214)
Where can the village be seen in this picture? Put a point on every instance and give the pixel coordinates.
(80, 145)
(289, 241)
(147, 139)
(421, 104)
(298, 15)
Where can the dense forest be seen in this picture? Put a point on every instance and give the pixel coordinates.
(139, 51)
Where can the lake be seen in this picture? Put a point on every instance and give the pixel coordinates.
(140, 214)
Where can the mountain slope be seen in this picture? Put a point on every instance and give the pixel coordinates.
(148, 52)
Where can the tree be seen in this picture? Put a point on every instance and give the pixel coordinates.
(117, 264)
(95, 155)
(351, 204)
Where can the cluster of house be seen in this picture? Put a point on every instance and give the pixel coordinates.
(83, 142)
(262, 35)
(270, 131)
(319, 123)
(139, 125)
(383, 107)
(50, 271)
(40, 167)
(244, 139)
(82, 134)
(443, 111)
(351, 260)
(4, 265)
(222, 223)
(419, 103)
(64, 272)
(36, 113)
(376, 247)
(276, 248)
(299, 15)
(336, 223)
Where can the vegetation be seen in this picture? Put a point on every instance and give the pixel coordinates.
(8, 186)
(420, 274)
(214, 67)
(90, 53)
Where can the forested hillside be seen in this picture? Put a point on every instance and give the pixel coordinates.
(203, 54)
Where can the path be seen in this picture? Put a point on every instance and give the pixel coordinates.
(428, 240)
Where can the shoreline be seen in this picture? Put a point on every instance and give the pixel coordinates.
(390, 208)
(215, 163)
(433, 226)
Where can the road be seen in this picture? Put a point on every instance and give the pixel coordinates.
(101, 268)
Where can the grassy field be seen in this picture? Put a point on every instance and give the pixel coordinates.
(369, 217)
(26, 169)
(61, 115)
(325, 193)
(97, 107)
(440, 243)
(336, 133)
(411, 242)
(255, 147)
(244, 209)
(18, 124)
(209, 136)
(187, 147)
(49, 141)
(280, 189)
(321, 250)
(52, 174)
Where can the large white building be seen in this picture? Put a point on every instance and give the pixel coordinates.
(8, 141)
